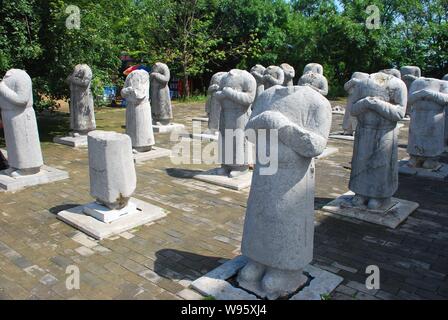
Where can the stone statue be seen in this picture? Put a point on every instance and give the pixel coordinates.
(212, 106)
(349, 123)
(258, 72)
(138, 111)
(290, 73)
(393, 72)
(313, 76)
(409, 74)
(379, 102)
(82, 114)
(19, 124)
(236, 97)
(279, 225)
(445, 77)
(273, 76)
(160, 94)
(428, 99)
(112, 172)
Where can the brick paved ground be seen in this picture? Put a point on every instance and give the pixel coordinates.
(202, 229)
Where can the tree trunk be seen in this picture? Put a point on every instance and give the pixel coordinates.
(186, 86)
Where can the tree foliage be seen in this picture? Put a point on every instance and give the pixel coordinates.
(199, 37)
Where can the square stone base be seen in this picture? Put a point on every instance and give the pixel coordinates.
(155, 153)
(46, 175)
(107, 215)
(100, 230)
(200, 119)
(216, 284)
(75, 142)
(391, 217)
(242, 182)
(201, 136)
(327, 152)
(168, 128)
(440, 174)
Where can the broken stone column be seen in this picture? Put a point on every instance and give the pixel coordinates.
(428, 99)
(290, 73)
(279, 225)
(82, 115)
(138, 111)
(112, 172)
(212, 106)
(313, 76)
(273, 76)
(160, 94)
(349, 123)
(258, 72)
(379, 103)
(409, 74)
(19, 124)
(236, 97)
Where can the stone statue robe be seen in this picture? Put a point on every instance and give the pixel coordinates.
(380, 102)
(349, 122)
(428, 99)
(279, 223)
(19, 121)
(160, 93)
(236, 98)
(138, 110)
(82, 114)
(409, 74)
(258, 73)
(213, 105)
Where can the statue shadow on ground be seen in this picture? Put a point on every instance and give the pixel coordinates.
(321, 202)
(178, 265)
(182, 173)
(56, 209)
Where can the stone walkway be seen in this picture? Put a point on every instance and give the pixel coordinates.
(203, 229)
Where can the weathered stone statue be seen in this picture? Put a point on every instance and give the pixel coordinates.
(138, 111)
(445, 77)
(112, 172)
(428, 99)
(82, 114)
(290, 73)
(236, 97)
(378, 103)
(349, 123)
(273, 76)
(160, 94)
(19, 124)
(213, 106)
(279, 225)
(409, 74)
(258, 72)
(313, 76)
(393, 72)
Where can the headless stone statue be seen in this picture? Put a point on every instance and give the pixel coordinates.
(409, 74)
(138, 111)
(112, 172)
(313, 76)
(393, 72)
(212, 106)
(19, 124)
(428, 99)
(378, 103)
(162, 112)
(349, 123)
(279, 225)
(290, 73)
(273, 76)
(236, 97)
(82, 114)
(258, 72)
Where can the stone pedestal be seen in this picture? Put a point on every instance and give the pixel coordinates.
(338, 110)
(46, 175)
(212, 176)
(107, 215)
(219, 283)
(75, 142)
(327, 152)
(391, 217)
(168, 128)
(440, 173)
(98, 229)
(155, 153)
